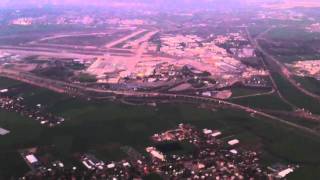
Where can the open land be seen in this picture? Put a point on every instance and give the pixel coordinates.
(87, 98)
(82, 116)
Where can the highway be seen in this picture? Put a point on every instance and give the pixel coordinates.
(283, 70)
(79, 90)
(275, 86)
(83, 91)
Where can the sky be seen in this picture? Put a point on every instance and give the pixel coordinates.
(116, 3)
(4, 3)
(140, 3)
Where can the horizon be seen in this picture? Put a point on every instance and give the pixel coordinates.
(120, 3)
(162, 4)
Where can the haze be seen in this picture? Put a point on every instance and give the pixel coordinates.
(182, 3)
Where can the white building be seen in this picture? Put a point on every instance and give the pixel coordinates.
(4, 90)
(31, 159)
(233, 142)
(216, 134)
(285, 172)
(153, 151)
(207, 131)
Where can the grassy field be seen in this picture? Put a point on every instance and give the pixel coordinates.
(292, 33)
(272, 102)
(295, 96)
(291, 43)
(242, 91)
(23, 133)
(103, 127)
(84, 78)
(7, 83)
(309, 83)
(88, 40)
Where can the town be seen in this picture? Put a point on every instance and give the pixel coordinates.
(165, 63)
(15, 104)
(182, 153)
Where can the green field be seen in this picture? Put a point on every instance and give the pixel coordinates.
(103, 127)
(272, 102)
(242, 91)
(295, 96)
(291, 43)
(309, 83)
(291, 33)
(85, 78)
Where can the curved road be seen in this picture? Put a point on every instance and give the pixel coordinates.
(75, 89)
(284, 72)
(255, 45)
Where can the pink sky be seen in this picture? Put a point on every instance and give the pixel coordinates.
(132, 3)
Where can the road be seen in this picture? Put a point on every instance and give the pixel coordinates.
(296, 114)
(51, 52)
(284, 72)
(81, 52)
(63, 52)
(111, 44)
(254, 95)
(275, 86)
(76, 89)
(142, 43)
(57, 36)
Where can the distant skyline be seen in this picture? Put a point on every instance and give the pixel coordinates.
(158, 3)
(128, 4)
(5, 3)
